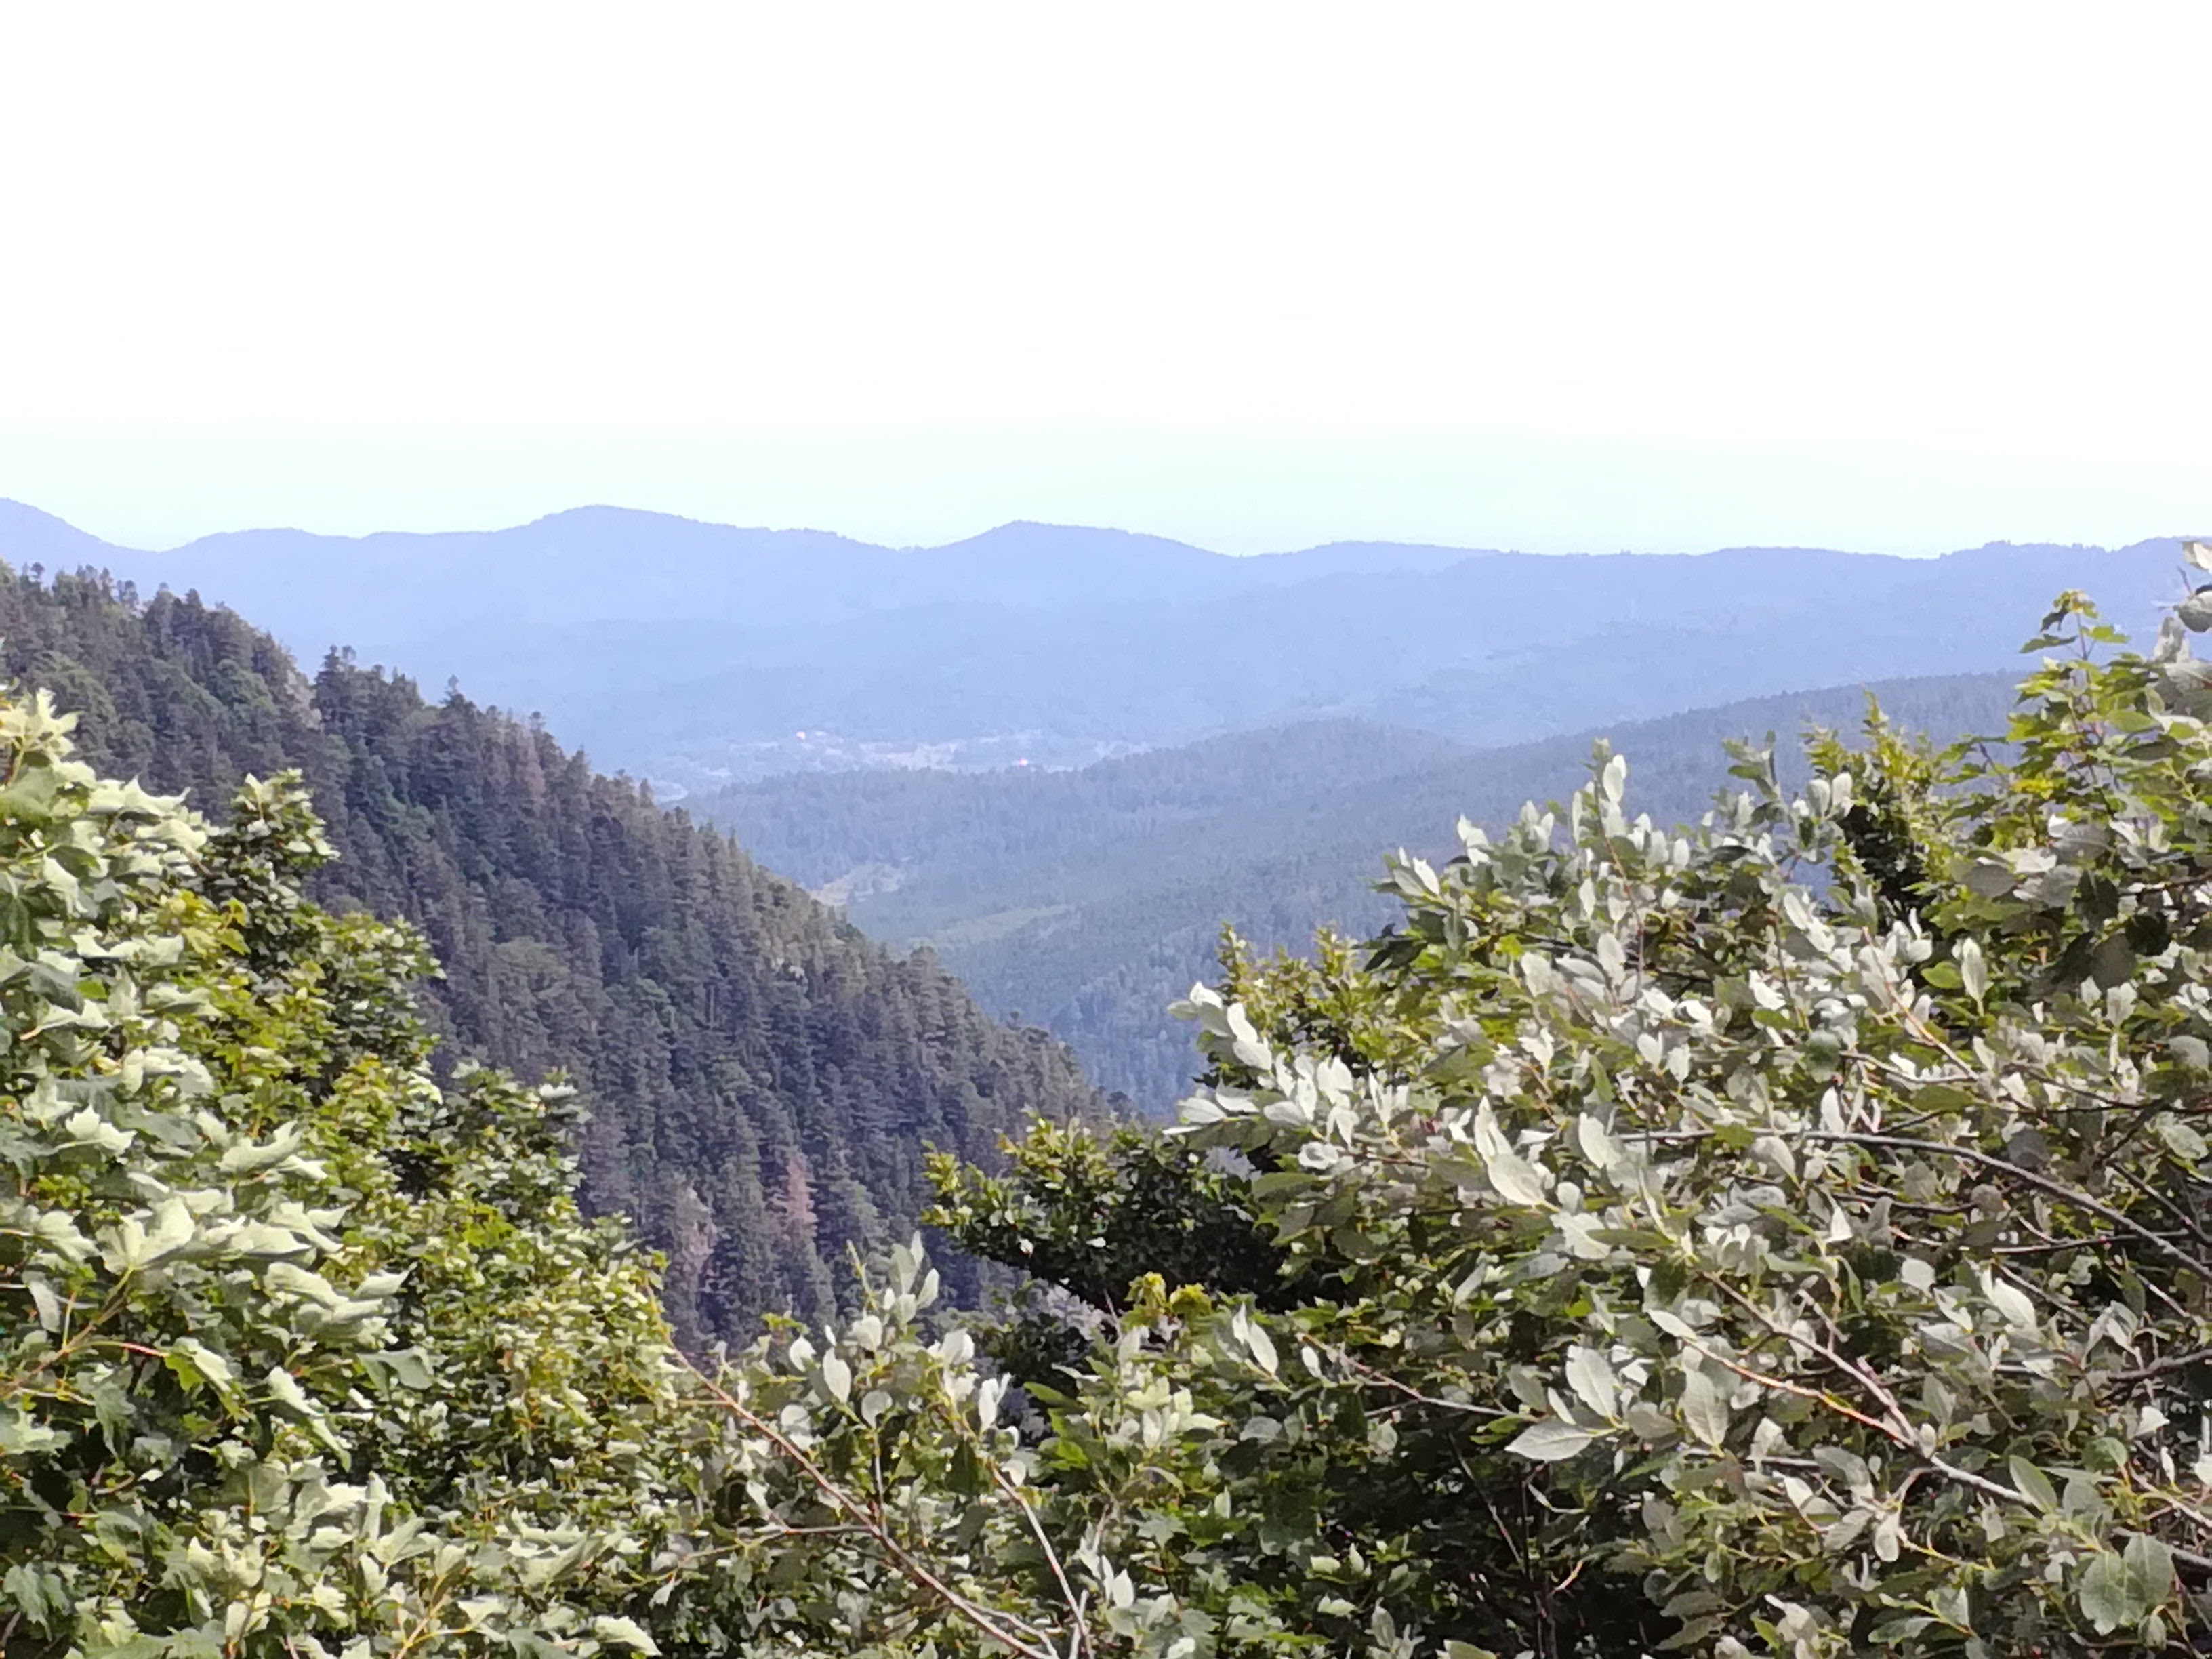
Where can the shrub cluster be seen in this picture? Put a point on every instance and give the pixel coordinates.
(1788, 1235)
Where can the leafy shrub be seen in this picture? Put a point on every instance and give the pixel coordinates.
(302, 1353)
(1786, 1236)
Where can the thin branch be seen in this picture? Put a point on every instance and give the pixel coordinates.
(1782, 1385)
(1899, 1431)
(984, 1618)
(2160, 1367)
(1079, 1640)
(2111, 1161)
(2056, 1189)
(1383, 1379)
(1965, 1154)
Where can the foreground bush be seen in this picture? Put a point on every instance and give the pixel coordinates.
(1785, 1236)
(302, 1353)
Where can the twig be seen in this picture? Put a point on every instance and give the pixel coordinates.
(1079, 1639)
(1384, 1380)
(2056, 1189)
(2160, 1367)
(982, 1617)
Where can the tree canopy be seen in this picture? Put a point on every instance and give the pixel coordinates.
(1782, 1236)
(1786, 1236)
(308, 1354)
(300, 1347)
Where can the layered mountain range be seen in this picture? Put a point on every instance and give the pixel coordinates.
(1060, 758)
(698, 654)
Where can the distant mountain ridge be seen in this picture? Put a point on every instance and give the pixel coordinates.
(1292, 714)
(788, 573)
(698, 653)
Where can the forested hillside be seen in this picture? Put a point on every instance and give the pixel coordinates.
(1775, 1236)
(762, 1080)
(1088, 899)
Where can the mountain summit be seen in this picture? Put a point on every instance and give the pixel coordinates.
(700, 653)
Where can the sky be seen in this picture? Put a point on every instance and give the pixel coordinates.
(1899, 277)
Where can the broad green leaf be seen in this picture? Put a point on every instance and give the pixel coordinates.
(2149, 1562)
(1262, 1346)
(2010, 1301)
(627, 1631)
(1974, 969)
(1549, 1441)
(284, 1389)
(1705, 1407)
(1597, 1146)
(49, 1306)
(195, 1363)
(2033, 1484)
(21, 1436)
(1515, 1179)
(39, 1595)
(2108, 1598)
(1589, 1374)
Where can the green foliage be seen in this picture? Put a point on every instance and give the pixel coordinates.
(1780, 1237)
(308, 1355)
(763, 1081)
(311, 1355)
(1092, 1212)
(874, 1499)
(303, 1353)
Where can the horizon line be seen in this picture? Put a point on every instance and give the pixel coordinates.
(615, 508)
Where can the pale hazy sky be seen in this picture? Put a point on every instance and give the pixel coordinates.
(1896, 277)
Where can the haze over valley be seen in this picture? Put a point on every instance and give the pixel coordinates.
(1062, 758)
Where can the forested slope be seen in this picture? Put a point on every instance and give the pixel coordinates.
(1720, 1243)
(763, 1080)
(1088, 899)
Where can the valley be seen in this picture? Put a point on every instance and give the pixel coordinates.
(1061, 759)
(1088, 901)
(875, 1039)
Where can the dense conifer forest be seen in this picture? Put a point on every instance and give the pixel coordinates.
(763, 1081)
